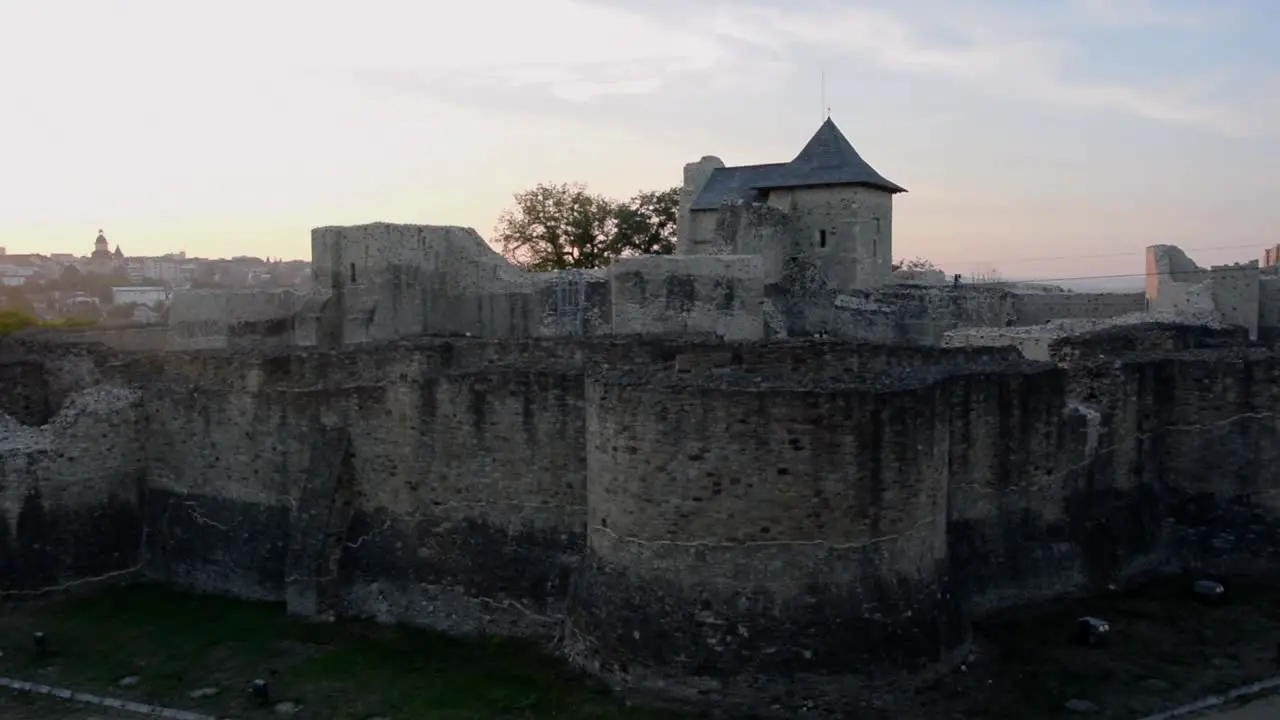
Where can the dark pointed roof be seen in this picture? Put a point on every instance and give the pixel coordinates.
(827, 159)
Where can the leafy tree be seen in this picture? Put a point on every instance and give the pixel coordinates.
(646, 223)
(557, 227)
(561, 227)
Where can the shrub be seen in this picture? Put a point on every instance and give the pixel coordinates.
(11, 321)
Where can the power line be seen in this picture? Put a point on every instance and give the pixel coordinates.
(1193, 273)
(1104, 255)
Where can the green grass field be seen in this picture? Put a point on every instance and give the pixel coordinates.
(1166, 649)
(176, 643)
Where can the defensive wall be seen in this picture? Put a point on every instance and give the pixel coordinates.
(718, 522)
(1228, 294)
(382, 281)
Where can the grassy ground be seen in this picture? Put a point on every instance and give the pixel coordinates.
(1165, 649)
(177, 643)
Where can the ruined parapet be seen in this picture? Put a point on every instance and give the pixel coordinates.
(1038, 342)
(696, 175)
(743, 228)
(391, 280)
(1223, 293)
(202, 319)
(1167, 264)
(718, 296)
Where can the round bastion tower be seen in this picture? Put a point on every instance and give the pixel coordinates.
(764, 539)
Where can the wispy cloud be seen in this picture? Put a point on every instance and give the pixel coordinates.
(1138, 13)
(909, 39)
(576, 50)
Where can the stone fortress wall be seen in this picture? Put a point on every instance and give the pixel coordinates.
(413, 280)
(734, 522)
(790, 249)
(655, 462)
(1239, 295)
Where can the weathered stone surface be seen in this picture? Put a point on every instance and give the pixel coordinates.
(749, 523)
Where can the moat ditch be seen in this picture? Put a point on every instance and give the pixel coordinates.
(1167, 646)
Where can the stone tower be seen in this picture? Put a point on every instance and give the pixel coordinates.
(840, 211)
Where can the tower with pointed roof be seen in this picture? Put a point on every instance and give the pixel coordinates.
(838, 211)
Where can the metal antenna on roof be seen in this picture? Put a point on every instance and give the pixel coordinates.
(826, 111)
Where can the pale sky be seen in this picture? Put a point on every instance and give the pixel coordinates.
(1046, 129)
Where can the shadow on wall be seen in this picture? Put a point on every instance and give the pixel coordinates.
(707, 518)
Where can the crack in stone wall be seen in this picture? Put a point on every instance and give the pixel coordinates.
(691, 518)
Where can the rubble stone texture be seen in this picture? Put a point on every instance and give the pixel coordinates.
(734, 523)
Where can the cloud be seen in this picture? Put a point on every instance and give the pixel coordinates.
(573, 49)
(1136, 13)
(912, 40)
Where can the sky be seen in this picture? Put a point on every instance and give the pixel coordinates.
(1047, 140)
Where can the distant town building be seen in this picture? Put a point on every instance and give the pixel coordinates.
(139, 295)
(1270, 256)
(166, 269)
(17, 270)
(101, 251)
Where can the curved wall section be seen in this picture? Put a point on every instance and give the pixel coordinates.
(746, 535)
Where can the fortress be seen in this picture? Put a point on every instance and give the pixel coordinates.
(655, 463)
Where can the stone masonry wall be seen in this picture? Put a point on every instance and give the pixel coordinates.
(1223, 293)
(452, 478)
(69, 493)
(796, 502)
(710, 295)
(1038, 308)
(231, 318)
(739, 534)
(856, 224)
(712, 521)
(895, 313)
